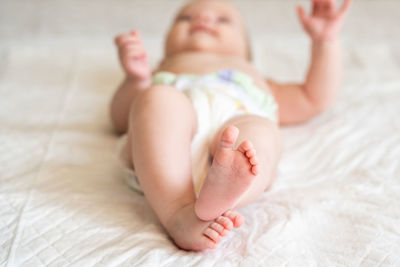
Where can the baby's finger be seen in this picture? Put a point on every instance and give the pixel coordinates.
(129, 40)
(345, 7)
(331, 4)
(320, 7)
(136, 34)
(302, 15)
(130, 48)
(315, 6)
(119, 38)
(136, 54)
(329, 7)
(124, 39)
(122, 50)
(133, 46)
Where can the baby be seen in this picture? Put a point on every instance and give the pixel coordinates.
(206, 98)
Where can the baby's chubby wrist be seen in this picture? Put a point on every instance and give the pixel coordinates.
(326, 43)
(325, 38)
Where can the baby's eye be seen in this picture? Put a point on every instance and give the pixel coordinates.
(184, 18)
(224, 20)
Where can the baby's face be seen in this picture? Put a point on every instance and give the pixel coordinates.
(213, 26)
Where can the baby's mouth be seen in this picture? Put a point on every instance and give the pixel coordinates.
(203, 29)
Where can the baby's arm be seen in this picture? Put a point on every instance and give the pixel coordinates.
(300, 102)
(133, 59)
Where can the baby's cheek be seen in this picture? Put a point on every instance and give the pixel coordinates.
(237, 45)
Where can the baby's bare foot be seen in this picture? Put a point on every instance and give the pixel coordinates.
(190, 233)
(230, 175)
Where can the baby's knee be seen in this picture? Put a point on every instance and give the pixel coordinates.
(157, 94)
(159, 98)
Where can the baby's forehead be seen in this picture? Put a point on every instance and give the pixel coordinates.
(217, 5)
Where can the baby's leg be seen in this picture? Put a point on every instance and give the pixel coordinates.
(162, 124)
(243, 167)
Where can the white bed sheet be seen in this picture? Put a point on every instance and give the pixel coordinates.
(63, 201)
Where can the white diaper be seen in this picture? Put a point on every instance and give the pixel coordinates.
(216, 97)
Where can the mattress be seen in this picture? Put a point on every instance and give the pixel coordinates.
(64, 202)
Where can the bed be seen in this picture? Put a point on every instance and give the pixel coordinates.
(63, 199)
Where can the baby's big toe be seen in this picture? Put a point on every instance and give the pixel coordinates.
(236, 218)
(228, 137)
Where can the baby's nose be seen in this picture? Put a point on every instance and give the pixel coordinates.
(204, 17)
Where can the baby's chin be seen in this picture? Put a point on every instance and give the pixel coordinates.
(203, 42)
(199, 44)
(201, 48)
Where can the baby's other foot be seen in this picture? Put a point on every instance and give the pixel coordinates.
(191, 233)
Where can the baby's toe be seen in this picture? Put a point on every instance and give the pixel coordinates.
(245, 146)
(225, 222)
(253, 160)
(212, 234)
(250, 153)
(255, 169)
(236, 218)
(220, 229)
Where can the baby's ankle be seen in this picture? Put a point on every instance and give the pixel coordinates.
(169, 215)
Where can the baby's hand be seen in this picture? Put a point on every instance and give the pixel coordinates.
(133, 56)
(325, 22)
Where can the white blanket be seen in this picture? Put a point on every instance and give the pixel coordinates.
(63, 200)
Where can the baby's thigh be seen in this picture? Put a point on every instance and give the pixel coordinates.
(163, 104)
(160, 112)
